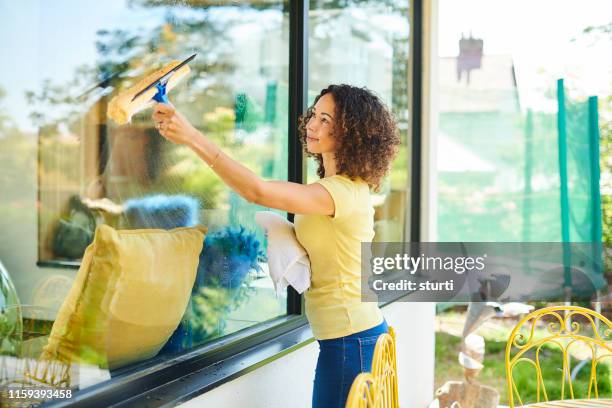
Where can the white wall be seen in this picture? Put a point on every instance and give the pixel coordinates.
(287, 381)
(429, 120)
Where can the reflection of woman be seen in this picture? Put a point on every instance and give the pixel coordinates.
(353, 138)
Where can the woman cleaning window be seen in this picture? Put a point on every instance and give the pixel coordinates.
(353, 138)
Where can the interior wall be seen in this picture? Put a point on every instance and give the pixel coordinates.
(429, 122)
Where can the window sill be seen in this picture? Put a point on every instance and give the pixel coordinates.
(59, 264)
(179, 378)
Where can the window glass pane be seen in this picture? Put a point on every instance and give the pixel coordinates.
(366, 44)
(66, 168)
(498, 161)
(498, 167)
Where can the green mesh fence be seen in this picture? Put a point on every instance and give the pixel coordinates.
(578, 133)
(506, 175)
(579, 139)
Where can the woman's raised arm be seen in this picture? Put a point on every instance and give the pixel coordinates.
(282, 195)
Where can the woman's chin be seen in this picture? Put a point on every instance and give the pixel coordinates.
(312, 148)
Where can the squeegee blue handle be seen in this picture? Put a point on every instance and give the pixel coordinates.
(161, 96)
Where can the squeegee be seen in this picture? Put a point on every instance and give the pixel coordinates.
(152, 88)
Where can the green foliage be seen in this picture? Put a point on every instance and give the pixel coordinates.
(603, 28)
(494, 374)
(551, 363)
(186, 173)
(58, 160)
(209, 307)
(399, 171)
(605, 164)
(10, 317)
(126, 54)
(53, 103)
(605, 154)
(17, 178)
(6, 124)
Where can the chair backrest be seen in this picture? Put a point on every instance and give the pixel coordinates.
(378, 388)
(562, 327)
(362, 393)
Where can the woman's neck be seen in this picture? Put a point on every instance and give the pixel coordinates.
(329, 163)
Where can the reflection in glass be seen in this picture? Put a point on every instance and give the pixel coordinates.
(498, 175)
(366, 44)
(478, 153)
(66, 169)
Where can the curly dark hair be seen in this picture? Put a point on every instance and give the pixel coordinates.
(366, 133)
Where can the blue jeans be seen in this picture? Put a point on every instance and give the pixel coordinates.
(340, 361)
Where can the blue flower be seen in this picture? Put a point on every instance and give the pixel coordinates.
(228, 256)
(162, 211)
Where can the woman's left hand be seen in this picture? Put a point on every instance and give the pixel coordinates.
(172, 124)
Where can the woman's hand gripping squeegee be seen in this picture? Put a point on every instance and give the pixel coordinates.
(152, 88)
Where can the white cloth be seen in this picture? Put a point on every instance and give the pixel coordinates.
(288, 261)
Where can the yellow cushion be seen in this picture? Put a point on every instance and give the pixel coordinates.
(128, 296)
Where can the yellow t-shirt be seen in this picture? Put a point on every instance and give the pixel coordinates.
(333, 301)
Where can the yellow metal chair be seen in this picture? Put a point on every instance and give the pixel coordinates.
(565, 326)
(377, 389)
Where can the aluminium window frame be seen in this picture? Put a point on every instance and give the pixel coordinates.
(170, 380)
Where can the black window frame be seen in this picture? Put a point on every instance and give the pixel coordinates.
(170, 380)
